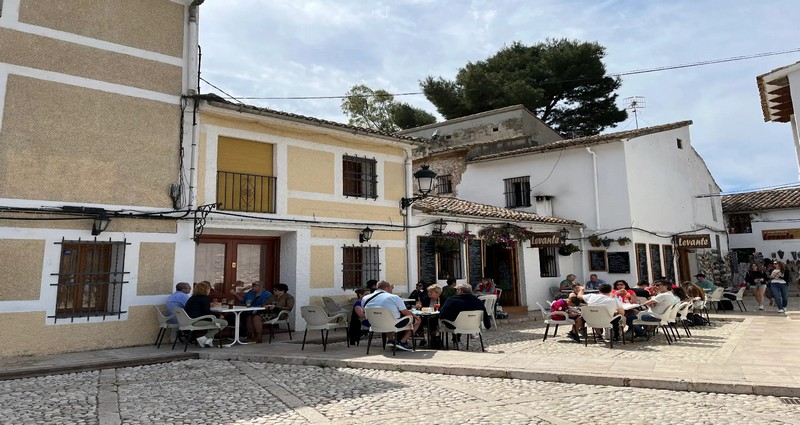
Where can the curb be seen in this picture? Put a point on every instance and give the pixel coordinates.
(93, 365)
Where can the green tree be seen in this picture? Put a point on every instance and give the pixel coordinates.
(377, 110)
(563, 82)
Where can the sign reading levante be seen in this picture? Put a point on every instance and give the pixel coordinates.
(541, 240)
(694, 241)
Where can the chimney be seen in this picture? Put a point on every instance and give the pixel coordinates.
(544, 205)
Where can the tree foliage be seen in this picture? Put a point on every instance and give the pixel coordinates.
(377, 110)
(563, 82)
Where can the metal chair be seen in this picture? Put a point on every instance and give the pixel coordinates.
(547, 316)
(282, 317)
(189, 324)
(466, 323)
(164, 325)
(381, 320)
(317, 319)
(489, 302)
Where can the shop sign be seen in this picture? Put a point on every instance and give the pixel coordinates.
(694, 241)
(542, 240)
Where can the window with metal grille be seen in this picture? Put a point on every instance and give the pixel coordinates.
(444, 184)
(359, 177)
(450, 264)
(548, 262)
(90, 279)
(740, 223)
(360, 264)
(518, 192)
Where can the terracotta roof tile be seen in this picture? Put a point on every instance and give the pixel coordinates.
(442, 205)
(762, 200)
(586, 141)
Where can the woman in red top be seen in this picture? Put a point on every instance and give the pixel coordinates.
(624, 292)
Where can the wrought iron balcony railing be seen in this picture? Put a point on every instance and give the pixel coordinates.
(245, 192)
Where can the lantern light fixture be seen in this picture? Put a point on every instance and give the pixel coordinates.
(365, 235)
(425, 178)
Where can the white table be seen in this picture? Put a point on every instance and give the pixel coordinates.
(627, 307)
(237, 311)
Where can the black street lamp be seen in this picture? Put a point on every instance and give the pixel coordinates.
(365, 235)
(563, 233)
(425, 178)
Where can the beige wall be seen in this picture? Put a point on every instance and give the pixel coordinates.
(48, 54)
(153, 25)
(321, 267)
(20, 269)
(310, 170)
(393, 180)
(309, 207)
(74, 144)
(396, 271)
(26, 333)
(156, 268)
(116, 225)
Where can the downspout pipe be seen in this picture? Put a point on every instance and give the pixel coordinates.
(193, 74)
(596, 188)
(407, 218)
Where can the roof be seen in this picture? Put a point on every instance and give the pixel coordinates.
(586, 141)
(469, 118)
(455, 206)
(217, 101)
(776, 99)
(762, 200)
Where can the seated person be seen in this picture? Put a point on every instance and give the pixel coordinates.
(681, 294)
(611, 303)
(568, 307)
(486, 286)
(257, 296)
(359, 325)
(281, 300)
(383, 297)
(702, 282)
(464, 300)
(199, 304)
(657, 305)
(694, 291)
(372, 285)
(449, 290)
(624, 292)
(643, 290)
(594, 282)
(418, 293)
(566, 285)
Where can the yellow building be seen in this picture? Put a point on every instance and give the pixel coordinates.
(90, 111)
(293, 195)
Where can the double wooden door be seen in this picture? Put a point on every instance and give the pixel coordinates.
(229, 262)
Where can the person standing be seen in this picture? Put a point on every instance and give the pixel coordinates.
(780, 289)
(757, 280)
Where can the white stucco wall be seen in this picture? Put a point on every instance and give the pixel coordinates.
(770, 220)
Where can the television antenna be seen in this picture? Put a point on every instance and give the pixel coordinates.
(634, 103)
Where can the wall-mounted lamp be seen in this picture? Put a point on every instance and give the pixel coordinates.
(100, 224)
(439, 226)
(563, 233)
(425, 178)
(365, 235)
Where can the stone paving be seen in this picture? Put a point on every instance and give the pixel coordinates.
(234, 392)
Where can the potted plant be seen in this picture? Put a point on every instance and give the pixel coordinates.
(509, 235)
(623, 240)
(606, 241)
(568, 249)
(451, 241)
(595, 241)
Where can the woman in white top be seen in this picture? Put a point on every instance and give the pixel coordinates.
(780, 289)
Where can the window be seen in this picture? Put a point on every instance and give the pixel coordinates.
(360, 264)
(359, 177)
(680, 143)
(444, 184)
(739, 223)
(90, 279)
(518, 192)
(548, 264)
(450, 264)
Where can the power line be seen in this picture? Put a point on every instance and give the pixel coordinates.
(619, 74)
(755, 189)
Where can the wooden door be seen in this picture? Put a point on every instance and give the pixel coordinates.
(236, 262)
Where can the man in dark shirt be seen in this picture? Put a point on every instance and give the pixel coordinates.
(464, 300)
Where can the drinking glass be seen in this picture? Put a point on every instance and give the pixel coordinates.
(248, 302)
(436, 307)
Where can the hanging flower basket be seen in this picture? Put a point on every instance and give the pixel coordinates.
(568, 249)
(597, 241)
(623, 241)
(451, 241)
(508, 236)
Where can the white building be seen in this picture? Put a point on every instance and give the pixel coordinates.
(780, 90)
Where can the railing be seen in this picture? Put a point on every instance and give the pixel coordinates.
(245, 192)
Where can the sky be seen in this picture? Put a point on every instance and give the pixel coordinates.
(291, 48)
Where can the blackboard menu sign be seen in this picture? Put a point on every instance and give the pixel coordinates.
(669, 262)
(597, 261)
(619, 262)
(655, 260)
(641, 261)
(427, 259)
(475, 261)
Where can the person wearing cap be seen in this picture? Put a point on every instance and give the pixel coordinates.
(657, 306)
(707, 285)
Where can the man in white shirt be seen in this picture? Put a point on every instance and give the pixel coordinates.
(383, 297)
(657, 305)
(609, 302)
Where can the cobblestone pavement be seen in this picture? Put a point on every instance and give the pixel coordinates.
(232, 392)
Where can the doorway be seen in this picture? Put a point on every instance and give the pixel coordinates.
(236, 262)
(501, 265)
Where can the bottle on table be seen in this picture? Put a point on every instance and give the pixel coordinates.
(419, 304)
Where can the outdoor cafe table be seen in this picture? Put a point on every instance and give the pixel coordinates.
(427, 315)
(237, 311)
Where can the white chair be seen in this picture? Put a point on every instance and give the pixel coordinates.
(739, 298)
(332, 308)
(672, 319)
(381, 320)
(467, 323)
(682, 316)
(282, 317)
(317, 319)
(715, 298)
(190, 324)
(164, 325)
(489, 302)
(599, 317)
(663, 322)
(549, 319)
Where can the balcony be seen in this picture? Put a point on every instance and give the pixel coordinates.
(245, 192)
